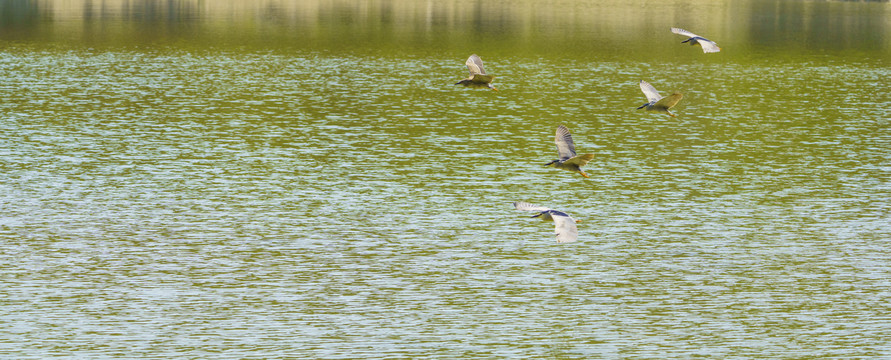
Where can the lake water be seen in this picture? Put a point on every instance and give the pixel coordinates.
(243, 179)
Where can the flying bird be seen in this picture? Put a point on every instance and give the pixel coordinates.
(478, 78)
(566, 151)
(708, 46)
(657, 103)
(564, 225)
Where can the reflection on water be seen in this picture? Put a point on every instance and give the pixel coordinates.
(173, 198)
(564, 26)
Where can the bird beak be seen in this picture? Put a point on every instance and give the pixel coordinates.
(578, 221)
(494, 89)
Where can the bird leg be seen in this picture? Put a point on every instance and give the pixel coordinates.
(584, 174)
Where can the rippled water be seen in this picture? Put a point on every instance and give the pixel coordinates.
(188, 202)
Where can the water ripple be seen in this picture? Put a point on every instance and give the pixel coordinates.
(161, 204)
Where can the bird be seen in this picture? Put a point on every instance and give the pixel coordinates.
(478, 78)
(708, 46)
(566, 151)
(657, 103)
(564, 225)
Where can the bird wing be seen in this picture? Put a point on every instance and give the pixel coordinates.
(520, 205)
(669, 101)
(580, 160)
(708, 46)
(475, 65)
(484, 79)
(564, 227)
(565, 147)
(683, 32)
(649, 91)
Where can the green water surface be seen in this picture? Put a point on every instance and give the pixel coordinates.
(235, 179)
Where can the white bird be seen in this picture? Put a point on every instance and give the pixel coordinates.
(656, 102)
(564, 225)
(708, 46)
(568, 160)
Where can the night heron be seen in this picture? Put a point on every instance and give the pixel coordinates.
(478, 78)
(566, 151)
(657, 103)
(564, 225)
(708, 46)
